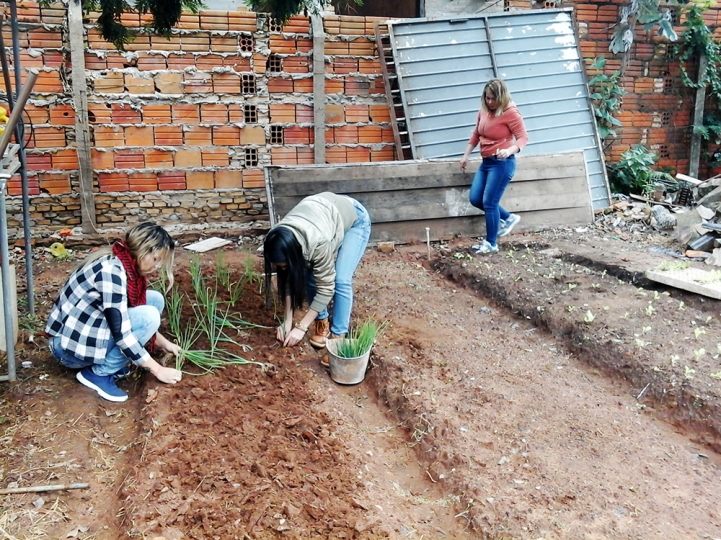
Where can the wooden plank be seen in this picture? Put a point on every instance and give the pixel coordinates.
(403, 198)
(208, 244)
(690, 279)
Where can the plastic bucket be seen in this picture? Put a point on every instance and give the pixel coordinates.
(346, 370)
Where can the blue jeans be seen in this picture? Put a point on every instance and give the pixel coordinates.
(349, 255)
(489, 183)
(144, 322)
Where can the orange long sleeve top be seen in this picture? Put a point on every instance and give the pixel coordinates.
(497, 132)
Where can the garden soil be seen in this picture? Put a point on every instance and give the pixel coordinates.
(545, 392)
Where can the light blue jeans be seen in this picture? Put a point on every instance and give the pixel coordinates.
(489, 184)
(144, 322)
(349, 255)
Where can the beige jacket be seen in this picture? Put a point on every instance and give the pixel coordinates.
(319, 223)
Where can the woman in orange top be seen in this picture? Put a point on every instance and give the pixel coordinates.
(501, 134)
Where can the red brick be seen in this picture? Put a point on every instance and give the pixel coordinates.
(226, 135)
(237, 62)
(38, 162)
(206, 62)
(305, 155)
(188, 158)
(115, 181)
(54, 184)
(158, 159)
(370, 134)
(168, 135)
(180, 61)
(171, 180)
(156, 113)
(109, 83)
(282, 113)
(200, 180)
(283, 156)
(358, 154)
(336, 154)
(130, 159)
(65, 160)
(297, 135)
(304, 114)
(253, 178)
(197, 83)
(151, 62)
(303, 85)
(226, 83)
(38, 115)
(140, 135)
(49, 137)
(213, 113)
(198, 136)
(185, 113)
(296, 64)
(252, 135)
(387, 153)
(62, 115)
(277, 85)
(229, 179)
(215, 157)
(356, 114)
(139, 85)
(143, 182)
(102, 159)
(346, 134)
(123, 113)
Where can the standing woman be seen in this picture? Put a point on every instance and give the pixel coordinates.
(105, 314)
(315, 250)
(501, 134)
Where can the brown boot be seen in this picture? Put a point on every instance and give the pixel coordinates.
(321, 333)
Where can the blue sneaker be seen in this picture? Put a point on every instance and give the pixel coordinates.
(486, 247)
(121, 374)
(104, 385)
(507, 225)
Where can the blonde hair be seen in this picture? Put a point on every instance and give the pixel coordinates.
(143, 239)
(500, 91)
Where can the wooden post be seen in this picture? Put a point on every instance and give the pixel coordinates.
(80, 101)
(698, 117)
(318, 87)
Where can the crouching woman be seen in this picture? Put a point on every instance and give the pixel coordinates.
(315, 250)
(105, 314)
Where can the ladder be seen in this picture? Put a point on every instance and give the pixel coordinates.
(404, 150)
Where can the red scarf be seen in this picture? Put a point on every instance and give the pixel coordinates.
(137, 283)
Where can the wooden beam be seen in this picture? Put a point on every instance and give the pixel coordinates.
(318, 87)
(80, 102)
(698, 109)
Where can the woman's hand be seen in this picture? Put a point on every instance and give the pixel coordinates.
(168, 375)
(464, 162)
(172, 348)
(293, 337)
(504, 153)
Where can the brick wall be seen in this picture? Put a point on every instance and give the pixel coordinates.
(657, 110)
(202, 113)
(199, 114)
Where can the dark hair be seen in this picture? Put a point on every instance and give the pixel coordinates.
(280, 246)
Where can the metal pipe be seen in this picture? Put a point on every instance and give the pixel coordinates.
(23, 162)
(17, 113)
(5, 266)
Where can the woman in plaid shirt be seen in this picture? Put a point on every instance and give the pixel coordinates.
(105, 314)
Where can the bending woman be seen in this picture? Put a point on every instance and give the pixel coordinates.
(501, 134)
(105, 314)
(315, 250)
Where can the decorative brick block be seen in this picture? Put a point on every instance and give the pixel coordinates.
(140, 135)
(200, 180)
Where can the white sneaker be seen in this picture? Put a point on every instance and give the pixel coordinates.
(507, 225)
(486, 247)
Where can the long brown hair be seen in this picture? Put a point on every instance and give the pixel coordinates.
(500, 91)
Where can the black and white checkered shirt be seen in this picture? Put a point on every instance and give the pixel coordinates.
(77, 316)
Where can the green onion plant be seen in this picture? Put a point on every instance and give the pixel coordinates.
(360, 338)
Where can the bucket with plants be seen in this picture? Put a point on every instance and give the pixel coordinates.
(348, 356)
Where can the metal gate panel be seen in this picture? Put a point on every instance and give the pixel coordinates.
(443, 64)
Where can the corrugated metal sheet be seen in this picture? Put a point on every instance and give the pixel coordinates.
(443, 64)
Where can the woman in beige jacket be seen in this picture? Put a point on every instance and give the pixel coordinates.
(315, 250)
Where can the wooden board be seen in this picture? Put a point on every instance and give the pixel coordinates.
(208, 244)
(404, 197)
(688, 279)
